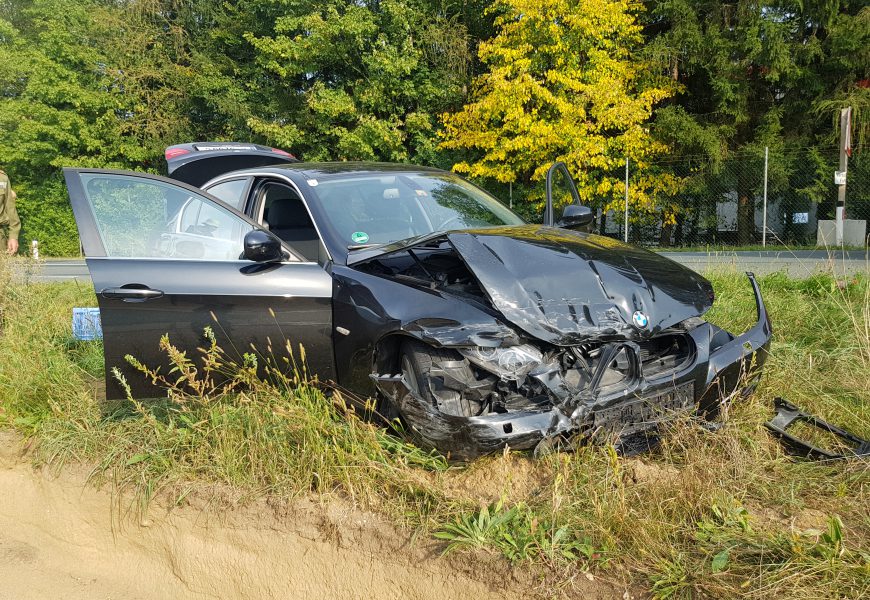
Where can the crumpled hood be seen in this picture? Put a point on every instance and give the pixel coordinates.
(567, 287)
(564, 287)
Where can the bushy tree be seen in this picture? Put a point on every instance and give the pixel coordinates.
(758, 73)
(360, 80)
(82, 84)
(108, 83)
(563, 83)
(517, 84)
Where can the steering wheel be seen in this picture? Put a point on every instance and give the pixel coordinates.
(444, 224)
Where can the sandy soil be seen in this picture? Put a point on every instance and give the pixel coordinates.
(61, 538)
(508, 477)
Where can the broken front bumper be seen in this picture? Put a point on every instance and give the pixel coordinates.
(847, 444)
(723, 366)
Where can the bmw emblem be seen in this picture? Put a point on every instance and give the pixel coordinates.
(640, 319)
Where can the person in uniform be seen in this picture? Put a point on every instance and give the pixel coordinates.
(10, 224)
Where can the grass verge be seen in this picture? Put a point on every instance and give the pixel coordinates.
(720, 515)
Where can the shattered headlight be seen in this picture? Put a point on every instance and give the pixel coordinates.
(512, 363)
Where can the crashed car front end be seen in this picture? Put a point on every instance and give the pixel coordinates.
(616, 362)
(571, 392)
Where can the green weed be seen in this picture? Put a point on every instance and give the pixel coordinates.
(519, 534)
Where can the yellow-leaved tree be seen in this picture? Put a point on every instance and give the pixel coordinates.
(564, 83)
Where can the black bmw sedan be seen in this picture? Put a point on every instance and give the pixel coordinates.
(412, 286)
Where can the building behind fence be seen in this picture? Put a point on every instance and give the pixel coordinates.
(800, 193)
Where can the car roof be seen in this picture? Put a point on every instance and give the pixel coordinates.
(327, 170)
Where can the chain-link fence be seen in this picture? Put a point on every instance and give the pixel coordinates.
(725, 203)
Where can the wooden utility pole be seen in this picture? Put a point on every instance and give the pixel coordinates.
(840, 176)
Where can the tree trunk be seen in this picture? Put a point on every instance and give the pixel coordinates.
(695, 235)
(745, 218)
(665, 238)
(678, 234)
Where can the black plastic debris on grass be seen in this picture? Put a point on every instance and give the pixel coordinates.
(787, 415)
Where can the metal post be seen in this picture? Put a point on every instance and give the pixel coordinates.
(626, 199)
(845, 149)
(511, 194)
(764, 220)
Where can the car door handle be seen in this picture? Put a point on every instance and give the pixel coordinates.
(131, 293)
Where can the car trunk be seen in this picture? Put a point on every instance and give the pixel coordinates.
(198, 162)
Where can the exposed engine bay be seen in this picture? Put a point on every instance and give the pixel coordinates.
(434, 265)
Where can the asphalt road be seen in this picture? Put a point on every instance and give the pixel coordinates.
(799, 263)
(51, 269)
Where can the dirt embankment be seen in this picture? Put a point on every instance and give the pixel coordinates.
(60, 538)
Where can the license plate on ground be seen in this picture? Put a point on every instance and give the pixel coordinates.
(645, 413)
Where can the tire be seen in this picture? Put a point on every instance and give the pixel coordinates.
(422, 366)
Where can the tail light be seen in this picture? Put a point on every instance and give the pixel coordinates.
(174, 152)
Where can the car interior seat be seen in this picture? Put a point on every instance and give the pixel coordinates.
(288, 219)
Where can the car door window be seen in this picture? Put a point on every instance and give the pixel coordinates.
(144, 218)
(232, 192)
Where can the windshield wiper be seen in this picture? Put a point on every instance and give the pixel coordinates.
(362, 246)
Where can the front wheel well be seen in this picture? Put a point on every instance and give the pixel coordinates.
(387, 354)
(386, 360)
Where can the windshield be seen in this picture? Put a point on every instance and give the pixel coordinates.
(381, 208)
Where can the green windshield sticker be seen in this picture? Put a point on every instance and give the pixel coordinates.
(359, 237)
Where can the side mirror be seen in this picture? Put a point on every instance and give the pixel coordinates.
(262, 246)
(559, 184)
(574, 216)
